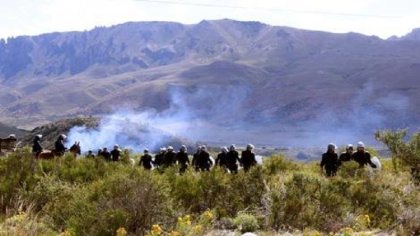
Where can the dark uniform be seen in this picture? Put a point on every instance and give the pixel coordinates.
(90, 154)
(248, 159)
(363, 158)
(159, 159)
(106, 154)
(182, 159)
(330, 161)
(36, 147)
(146, 161)
(232, 158)
(60, 149)
(203, 161)
(195, 158)
(115, 154)
(169, 158)
(345, 156)
(221, 159)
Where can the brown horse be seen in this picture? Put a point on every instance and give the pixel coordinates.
(47, 154)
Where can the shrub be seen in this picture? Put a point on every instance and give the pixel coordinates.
(246, 222)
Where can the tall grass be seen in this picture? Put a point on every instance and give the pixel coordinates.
(94, 197)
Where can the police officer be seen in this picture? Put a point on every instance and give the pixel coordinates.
(232, 159)
(146, 160)
(248, 158)
(330, 161)
(60, 149)
(37, 147)
(182, 159)
(361, 156)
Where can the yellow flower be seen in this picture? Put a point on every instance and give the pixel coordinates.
(186, 220)
(65, 233)
(121, 231)
(198, 229)
(366, 219)
(174, 233)
(156, 230)
(208, 215)
(347, 231)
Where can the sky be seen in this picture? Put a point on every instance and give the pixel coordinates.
(382, 18)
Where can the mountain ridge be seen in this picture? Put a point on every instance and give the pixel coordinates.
(264, 74)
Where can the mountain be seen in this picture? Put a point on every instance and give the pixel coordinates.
(414, 35)
(236, 77)
(6, 130)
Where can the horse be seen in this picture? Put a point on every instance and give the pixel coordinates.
(50, 154)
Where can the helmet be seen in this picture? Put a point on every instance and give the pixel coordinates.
(170, 148)
(12, 136)
(39, 136)
(183, 148)
(349, 146)
(232, 147)
(203, 147)
(249, 147)
(116, 146)
(163, 149)
(146, 150)
(224, 149)
(360, 144)
(331, 146)
(63, 136)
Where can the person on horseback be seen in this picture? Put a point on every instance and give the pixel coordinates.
(36, 147)
(182, 159)
(248, 158)
(60, 149)
(146, 160)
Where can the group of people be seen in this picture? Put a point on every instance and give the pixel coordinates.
(331, 161)
(201, 160)
(227, 159)
(59, 147)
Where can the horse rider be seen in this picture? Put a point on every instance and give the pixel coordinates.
(60, 149)
(37, 147)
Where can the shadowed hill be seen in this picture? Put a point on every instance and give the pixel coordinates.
(6, 130)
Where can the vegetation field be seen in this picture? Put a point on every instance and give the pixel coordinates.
(68, 196)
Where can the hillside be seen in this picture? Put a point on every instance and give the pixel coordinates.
(226, 74)
(6, 130)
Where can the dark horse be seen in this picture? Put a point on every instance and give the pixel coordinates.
(74, 149)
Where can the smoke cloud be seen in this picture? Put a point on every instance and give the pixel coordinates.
(217, 115)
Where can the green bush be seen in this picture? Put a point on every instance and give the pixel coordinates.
(246, 222)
